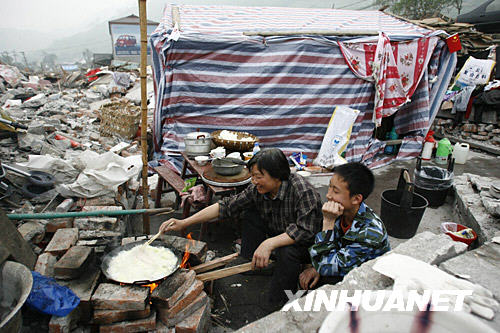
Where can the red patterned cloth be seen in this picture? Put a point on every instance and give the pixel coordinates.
(395, 68)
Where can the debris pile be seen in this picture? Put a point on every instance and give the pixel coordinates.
(472, 40)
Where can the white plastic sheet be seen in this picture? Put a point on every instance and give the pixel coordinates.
(102, 174)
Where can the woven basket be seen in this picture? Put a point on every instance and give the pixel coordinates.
(241, 146)
(120, 118)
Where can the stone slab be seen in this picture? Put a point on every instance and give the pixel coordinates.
(197, 322)
(14, 243)
(113, 316)
(45, 264)
(96, 223)
(171, 290)
(140, 325)
(115, 297)
(62, 240)
(431, 248)
(481, 266)
(74, 262)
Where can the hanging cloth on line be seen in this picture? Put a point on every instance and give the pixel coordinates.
(395, 68)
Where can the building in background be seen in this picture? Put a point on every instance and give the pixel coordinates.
(126, 38)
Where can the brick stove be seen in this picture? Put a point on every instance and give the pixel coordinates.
(176, 304)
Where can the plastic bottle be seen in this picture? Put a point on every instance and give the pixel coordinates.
(392, 135)
(64, 206)
(256, 148)
(429, 144)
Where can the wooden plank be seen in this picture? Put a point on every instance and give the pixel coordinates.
(214, 263)
(173, 179)
(225, 272)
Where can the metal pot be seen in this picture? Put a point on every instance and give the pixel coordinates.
(226, 167)
(197, 143)
(108, 257)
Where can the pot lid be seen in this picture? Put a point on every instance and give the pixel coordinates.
(196, 135)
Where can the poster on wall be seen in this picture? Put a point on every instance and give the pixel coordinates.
(127, 38)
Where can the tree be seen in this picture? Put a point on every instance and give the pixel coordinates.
(418, 9)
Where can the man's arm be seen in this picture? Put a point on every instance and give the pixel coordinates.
(261, 255)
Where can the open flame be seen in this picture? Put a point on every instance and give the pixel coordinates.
(151, 286)
(185, 258)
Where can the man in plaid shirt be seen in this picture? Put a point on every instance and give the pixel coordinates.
(352, 232)
(281, 213)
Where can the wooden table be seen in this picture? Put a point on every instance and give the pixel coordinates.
(197, 170)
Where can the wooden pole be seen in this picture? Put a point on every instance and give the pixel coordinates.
(144, 113)
(312, 32)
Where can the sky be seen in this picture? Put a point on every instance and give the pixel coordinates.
(64, 16)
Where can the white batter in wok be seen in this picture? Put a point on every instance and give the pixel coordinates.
(142, 263)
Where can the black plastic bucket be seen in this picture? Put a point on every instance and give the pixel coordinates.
(435, 198)
(400, 222)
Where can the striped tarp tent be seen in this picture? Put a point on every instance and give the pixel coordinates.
(219, 71)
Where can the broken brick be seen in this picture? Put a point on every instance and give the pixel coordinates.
(113, 316)
(64, 324)
(165, 317)
(189, 296)
(197, 322)
(171, 290)
(96, 223)
(45, 264)
(96, 208)
(140, 325)
(74, 262)
(32, 231)
(55, 224)
(62, 240)
(115, 297)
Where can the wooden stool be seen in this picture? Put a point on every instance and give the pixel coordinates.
(175, 184)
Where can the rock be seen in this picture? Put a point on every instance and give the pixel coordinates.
(35, 101)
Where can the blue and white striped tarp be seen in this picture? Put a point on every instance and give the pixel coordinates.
(282, 89)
